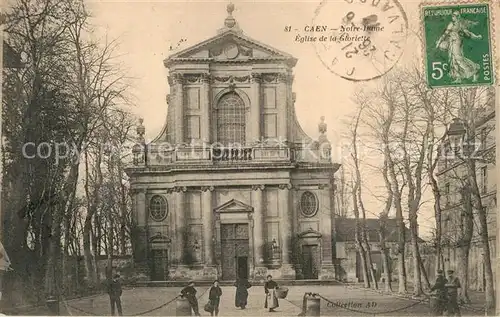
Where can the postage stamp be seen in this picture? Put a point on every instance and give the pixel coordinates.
(458, 47)
(366, 39)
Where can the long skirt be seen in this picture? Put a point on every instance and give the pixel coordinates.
(271, 300)
(241, 297)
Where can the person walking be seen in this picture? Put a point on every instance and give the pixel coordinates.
(271, 298)
(115, 293)
(441, 294)
(189, 293)
(214, 297)
(242, 286)
(453, 285)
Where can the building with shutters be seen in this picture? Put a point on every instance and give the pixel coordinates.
(232, 186)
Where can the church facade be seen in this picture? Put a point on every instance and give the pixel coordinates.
(232, 187)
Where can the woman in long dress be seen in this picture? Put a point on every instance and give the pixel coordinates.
(242, 286)
(271, 298)
(460, 67)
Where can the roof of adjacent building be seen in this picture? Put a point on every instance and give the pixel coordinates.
(11, 59)
(344, 230)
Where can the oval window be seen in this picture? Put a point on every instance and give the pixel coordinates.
(158, 208)
(308, 204)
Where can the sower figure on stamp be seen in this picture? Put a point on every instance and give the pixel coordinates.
(451, 40)
(440, 291)
(189, 293)
(453, 285)
(271, 298)
(115, 292)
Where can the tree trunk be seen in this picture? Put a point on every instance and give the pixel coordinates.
(424, 272)
(417, 277)
(483, 233)
(385, 257)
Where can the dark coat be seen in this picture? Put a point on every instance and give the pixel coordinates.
(114, 288)
(242, 286)
(215, 293)
(440, 287)
(189, 292)
(270, 285)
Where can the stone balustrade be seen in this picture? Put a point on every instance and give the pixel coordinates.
(158, 156)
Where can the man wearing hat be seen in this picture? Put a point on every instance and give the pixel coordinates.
(453, 285)
(440, 292)
(189, 293)
(115, 292)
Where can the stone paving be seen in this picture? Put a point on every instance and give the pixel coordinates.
(354, 302)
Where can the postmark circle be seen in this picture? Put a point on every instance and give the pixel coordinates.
(365, 38)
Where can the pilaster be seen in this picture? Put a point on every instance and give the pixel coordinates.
(257, 202)
(178, 82)
(180, 223)
(255, 109)
(206, 106)
(286, 232)
(282, 99)
(208, 228)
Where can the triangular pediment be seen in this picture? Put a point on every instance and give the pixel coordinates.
(229, 46)
(233, 206)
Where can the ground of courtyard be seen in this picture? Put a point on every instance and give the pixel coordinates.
(160, 301)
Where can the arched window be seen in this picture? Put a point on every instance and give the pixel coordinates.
(158, 208)
(231, 119)
(308, 204)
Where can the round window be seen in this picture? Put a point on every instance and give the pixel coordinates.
(308, 204)
(158, 208)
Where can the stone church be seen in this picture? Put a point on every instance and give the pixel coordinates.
(232, 186)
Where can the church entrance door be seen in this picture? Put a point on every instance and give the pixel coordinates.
(310, 262)
(159, 269)
(235, 249)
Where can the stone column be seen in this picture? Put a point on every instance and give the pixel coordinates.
(208, 228)
(255, 109)
(286, 222)
(180, 223)
(205, 110)
(282, 99)
(327, 267)
(141, 221)
(178, 80)
(141, 208)
(258, 219)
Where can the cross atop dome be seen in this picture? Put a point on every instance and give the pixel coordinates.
(230, 22)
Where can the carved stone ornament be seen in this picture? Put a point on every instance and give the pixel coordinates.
(231, 79)
(179, 189)
(207, 188)
(270, 78)
(257, 187)
(285, 186)
(246, 51)
(256, 77)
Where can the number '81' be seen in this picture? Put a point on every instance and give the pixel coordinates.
(438, 69)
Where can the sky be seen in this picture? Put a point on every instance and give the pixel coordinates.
(147, 29)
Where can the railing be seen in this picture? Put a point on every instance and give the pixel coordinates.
(157, 156)
(232, 154)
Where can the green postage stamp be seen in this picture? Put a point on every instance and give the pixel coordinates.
(457, 43)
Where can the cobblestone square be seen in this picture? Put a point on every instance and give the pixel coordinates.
(150, 301)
